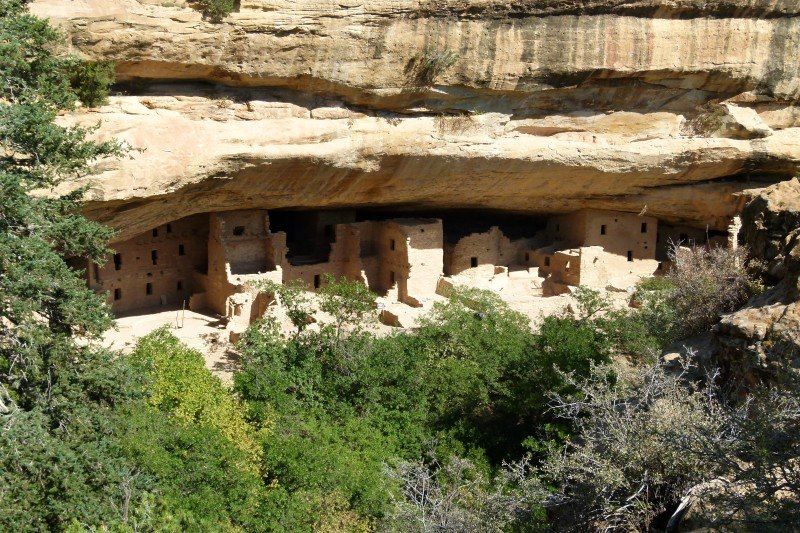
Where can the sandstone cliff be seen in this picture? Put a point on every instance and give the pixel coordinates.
(762, 340)
(676, 107)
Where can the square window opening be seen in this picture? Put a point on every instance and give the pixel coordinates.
(238, 231)
(117, 294)
(117, 261)
(602, 229)
(181, 250)
(154, 256)
(644, 227)
(630, 255)
(148, 289)
(473, 262)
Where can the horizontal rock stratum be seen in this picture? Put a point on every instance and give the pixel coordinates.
(673, 107)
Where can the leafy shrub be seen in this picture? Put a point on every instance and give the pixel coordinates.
(473, 381)
(183, 388)
(202, 480)
(347, 301)
(216, 10)
(91, 80)
(294, 298)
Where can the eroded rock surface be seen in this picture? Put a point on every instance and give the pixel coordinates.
(762, 340)
(672, 107)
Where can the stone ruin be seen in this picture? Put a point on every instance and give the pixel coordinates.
(217, 261)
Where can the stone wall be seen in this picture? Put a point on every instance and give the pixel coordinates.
(424, 259)
(156, 268)
(479, 253)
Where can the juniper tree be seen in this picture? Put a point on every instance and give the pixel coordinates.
(57, 389)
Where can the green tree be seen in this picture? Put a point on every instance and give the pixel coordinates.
(58, 391)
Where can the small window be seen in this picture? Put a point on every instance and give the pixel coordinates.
(316, 281)
(179, 285)
(117, 294)
(603, 229)
(644, 227)
(238, 231)
(473, 262)
(391, 244)
(169, 228)
(155, 232)
(181, 250)
(154, 256)
(547, 261)
(117, 261)
(148, 289)
(96, 272)
(391, 277)
(630, 255)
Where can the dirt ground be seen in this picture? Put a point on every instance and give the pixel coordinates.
(205, 333)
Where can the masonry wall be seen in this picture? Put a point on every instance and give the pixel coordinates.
(239, 248)
(677, 234)
(624, 233)
(568, 229)
(343, 260)
(424, 260)
(164, 258)
(486, 251)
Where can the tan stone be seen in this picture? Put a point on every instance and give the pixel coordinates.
(557, 105)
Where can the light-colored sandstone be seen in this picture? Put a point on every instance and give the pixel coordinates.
(550, 106)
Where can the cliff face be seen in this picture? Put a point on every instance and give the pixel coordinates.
(762, 340)
(676, 107)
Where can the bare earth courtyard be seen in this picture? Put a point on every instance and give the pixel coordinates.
(204, 332)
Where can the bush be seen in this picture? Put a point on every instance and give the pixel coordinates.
(707, 282)
(456, 496)
(191, 439)
(182, 387)
(473, 382)
(216, 10)
(649, 441)
(91, 80)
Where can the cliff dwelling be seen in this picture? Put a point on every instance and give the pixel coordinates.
(216, 262)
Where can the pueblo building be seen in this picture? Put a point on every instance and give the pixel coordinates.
(216, 261)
